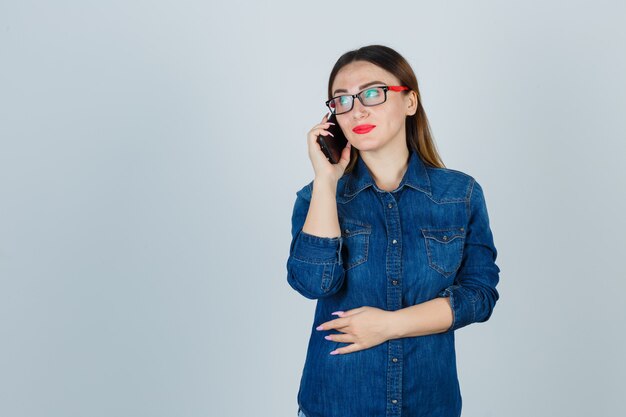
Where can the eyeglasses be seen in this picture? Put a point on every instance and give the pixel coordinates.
(371, 96)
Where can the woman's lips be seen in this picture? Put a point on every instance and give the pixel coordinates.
(361, 129)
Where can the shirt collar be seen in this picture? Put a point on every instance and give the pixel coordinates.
(415, 177)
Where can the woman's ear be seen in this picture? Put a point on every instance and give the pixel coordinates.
(411, 101)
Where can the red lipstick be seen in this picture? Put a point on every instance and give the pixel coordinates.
(362, 129)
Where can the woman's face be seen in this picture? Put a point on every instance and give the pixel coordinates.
(388, 117)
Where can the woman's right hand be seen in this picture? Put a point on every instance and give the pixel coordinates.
(323, 168)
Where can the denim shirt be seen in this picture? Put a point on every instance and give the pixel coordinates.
(428, 238)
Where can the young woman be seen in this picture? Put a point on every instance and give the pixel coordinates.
(396, 249)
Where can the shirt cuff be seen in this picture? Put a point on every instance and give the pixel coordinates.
(318, 250)
(462, 303)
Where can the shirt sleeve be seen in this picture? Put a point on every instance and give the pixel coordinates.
(314, 267)
(473, 294)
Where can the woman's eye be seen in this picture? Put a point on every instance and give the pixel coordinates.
(371, 93)
(344, 100)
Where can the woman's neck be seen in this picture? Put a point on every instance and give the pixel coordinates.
(387, 168)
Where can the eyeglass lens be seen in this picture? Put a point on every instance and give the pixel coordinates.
(370, 97)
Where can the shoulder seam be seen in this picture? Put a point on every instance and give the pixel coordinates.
(469, 196)
(465, 174)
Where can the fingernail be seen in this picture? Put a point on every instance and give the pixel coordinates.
(334, 352)
(337, 312)
(319, 327)
(331, 134)
(327, 337)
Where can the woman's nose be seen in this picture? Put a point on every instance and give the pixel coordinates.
(359, 110)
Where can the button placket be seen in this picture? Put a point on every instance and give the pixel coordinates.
(394, 300)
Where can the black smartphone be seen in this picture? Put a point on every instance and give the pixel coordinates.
(332, 146)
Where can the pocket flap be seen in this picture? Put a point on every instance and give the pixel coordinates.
(354, 227)
(444, 235)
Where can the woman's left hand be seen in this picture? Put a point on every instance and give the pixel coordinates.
(364, 327)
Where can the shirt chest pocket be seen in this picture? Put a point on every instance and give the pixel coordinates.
(356, 239)
(444, 248)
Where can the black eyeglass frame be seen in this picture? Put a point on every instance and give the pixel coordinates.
(358, 96)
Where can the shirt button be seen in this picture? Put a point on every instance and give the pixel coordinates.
(347, 231)
(390, 205)
(394, 282)
(394, 241)
(394, 401)
(445, 238)
(394, 360)
(461, 229)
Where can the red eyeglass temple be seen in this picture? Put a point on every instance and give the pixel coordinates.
(397, 88)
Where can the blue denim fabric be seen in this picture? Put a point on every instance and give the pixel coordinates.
(429, 238)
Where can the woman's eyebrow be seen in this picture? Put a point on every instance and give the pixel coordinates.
(341, 90)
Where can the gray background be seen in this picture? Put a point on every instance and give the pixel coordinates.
(150, 155)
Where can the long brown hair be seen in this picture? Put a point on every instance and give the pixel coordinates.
(418, 135)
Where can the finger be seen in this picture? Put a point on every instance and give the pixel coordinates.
(333, 324)
(318, 128)
(325, 119)
(320, 131)
(321, 126)
(326, 326)
(348, 313)
(340, 337)
(324, 125)
(345, 155)
(324, 133)
(346, 349)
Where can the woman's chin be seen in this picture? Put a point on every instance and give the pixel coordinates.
(367, 147)
(363, 143)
